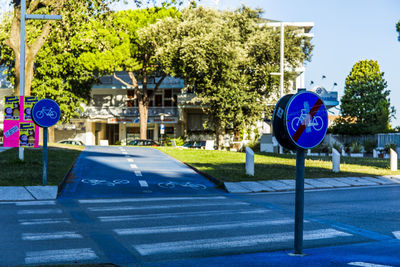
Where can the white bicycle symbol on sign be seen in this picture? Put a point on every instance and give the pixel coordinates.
(317, 123)
(171, 184)
(104, 182)
(49, 112)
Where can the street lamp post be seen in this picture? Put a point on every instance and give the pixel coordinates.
(25, 16)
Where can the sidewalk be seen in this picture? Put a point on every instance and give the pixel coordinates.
(309, 184)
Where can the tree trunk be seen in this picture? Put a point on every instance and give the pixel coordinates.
(220, 132)
(143, 113)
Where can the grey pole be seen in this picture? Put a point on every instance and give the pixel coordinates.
(24, 16)
(282, 57)
(22, 63)
(45, 133)
(299, 205)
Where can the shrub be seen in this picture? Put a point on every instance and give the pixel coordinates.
(356, 147)
(370, 145)
(390, 146)
(347, 148)
(338, 147)
(179, 141)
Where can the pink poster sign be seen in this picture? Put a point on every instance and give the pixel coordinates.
(19, 129)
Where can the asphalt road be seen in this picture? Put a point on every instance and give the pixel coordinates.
(185, 226)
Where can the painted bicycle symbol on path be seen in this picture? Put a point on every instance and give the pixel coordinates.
(304, 119)
(104, 182)
(171, 185)
(49, 112)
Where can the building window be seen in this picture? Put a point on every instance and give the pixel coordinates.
(102, 100)
(158, 100)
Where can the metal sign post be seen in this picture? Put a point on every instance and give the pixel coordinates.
(299, 205)
(300, 122)
(25, 16)
(45, 113)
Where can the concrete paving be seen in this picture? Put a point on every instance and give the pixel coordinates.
(319, 183)
(17, 193)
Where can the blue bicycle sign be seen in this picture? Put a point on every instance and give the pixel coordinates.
(46, 113)
(305, 119)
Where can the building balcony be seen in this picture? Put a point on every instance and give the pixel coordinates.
(111, 112)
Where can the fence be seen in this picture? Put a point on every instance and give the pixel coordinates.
(390, 138)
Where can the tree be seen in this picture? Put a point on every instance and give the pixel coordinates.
(54, 66)
(225, 59)
(398, 28)
(125, 49)
(365, 106)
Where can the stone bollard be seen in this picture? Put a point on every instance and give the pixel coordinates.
(335, 160)
(249, 161)
(393, 160)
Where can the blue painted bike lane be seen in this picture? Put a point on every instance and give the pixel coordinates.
(102, 172)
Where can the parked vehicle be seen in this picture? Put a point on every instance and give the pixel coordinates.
(195, 144)
(71, 142)
(140, 142)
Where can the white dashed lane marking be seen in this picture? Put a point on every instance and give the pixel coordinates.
(143, 183)
(133, 166)
(138, 173)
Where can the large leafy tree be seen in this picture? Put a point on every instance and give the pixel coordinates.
(398, 28)
(125, 49)
(226, 59)
(365, 105)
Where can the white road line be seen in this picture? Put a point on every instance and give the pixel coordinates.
(62, 255)
(43, 221)
(149, 207)
(178, 215)
(232, 242)
(39, 211)
(200, 227)
(396, 234)
(138, 173)
(50, 236)
(35, 203)
(129, 160)
(367, 264)
(133, 166)
(125, 153)
(128, 200)
(142, 183)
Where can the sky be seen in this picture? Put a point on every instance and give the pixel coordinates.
(345, 32)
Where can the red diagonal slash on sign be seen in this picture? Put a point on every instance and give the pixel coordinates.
(302, 127)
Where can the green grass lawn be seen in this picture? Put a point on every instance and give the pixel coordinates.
(14, 172)
(230, 166)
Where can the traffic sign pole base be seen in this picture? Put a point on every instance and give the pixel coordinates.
(297, 255)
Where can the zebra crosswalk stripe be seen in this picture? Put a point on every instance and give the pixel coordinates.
(199, 227)
(232, 242)
(61, 255)
(120, 218)
(122, 200)
(50, 236)
(43, 221)
(172, 206)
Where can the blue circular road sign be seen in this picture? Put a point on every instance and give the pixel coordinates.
(46, 113)
(306, 119)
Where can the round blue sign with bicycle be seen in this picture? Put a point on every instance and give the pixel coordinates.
(46, 113)
(306, 119)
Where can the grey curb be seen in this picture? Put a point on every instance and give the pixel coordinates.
(320, 183)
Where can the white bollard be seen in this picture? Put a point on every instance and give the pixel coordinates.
(335, 160)
(374, 153)
(249, 161)
(393, 160)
